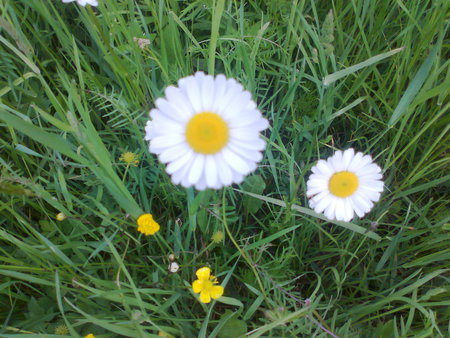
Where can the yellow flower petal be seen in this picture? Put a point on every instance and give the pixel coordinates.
(197, 286)
(147, 225)
(216, 291)
(205, 297)
(203, 273)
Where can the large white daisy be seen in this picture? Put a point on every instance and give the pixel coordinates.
(84, 2)
(345, 184)
(207, 131)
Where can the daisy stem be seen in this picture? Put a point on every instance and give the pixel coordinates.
(242, 252)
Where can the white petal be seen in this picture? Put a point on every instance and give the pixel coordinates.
(260, 125)
(356, 207)
(211, 172)
(336, 161)
(201, 184)
(182, 173)
(348, 157)
(170, 110)
(176, 165)
(362, 203)
(246, 118)
(330, 212)
(257, 144)
(244, 134)
(171, 154)
(368, 194)
(322, 201)
(372, 185)
(365, 160)
(348, 210)
(179, 102)
(149, 131)
(190, 87)
(207, 92)
(237, 178)
(317, 182)
(369, 170)
(312, 191)
(220, 87)
(371, 178)
(197, 169)
(250, 155)
(160, 143)
(235, 106)
(233, 91)
(224, 170)
(355, 162)
(235, 162)
(323, 169)
(340, 209)
(163, 125)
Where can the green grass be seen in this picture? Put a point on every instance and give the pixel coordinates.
(75, 92)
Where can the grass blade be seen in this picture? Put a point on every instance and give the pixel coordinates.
(329, 79)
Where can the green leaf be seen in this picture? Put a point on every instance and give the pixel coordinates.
(414, 87)
(329, 79)
(232, 327)
(50, 140)
(256, 185)
(386, 330)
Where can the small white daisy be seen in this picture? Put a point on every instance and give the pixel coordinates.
(344, 184)
(207, 131)
(83, 2)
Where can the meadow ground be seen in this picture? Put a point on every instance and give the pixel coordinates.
(76, 86)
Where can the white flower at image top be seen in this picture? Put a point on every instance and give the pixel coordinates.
(83, 2)
(207, 131)
(345, 184)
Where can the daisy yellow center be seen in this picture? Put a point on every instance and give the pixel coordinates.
(343, 184)
(207, 133)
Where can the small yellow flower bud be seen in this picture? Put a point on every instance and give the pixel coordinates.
(218, 237)
(130, 158)
(62, 330)
(61, 217)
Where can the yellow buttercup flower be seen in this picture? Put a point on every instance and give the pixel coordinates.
(205, 285)
(90, 335)
(147, 225)
(130, 158)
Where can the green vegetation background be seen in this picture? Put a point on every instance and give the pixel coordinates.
(75, 91)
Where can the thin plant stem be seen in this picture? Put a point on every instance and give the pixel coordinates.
(125, 173)
(242, 252)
